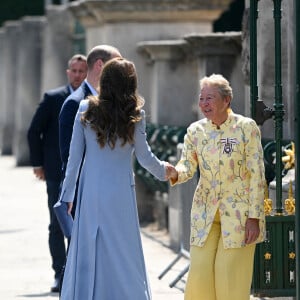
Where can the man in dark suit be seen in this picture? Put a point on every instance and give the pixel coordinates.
(43, 140)
(96, 58)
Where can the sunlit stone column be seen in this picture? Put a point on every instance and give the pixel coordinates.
(10, 66)
(28, 89)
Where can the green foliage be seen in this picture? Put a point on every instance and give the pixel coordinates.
(16, 9)
(231, 19)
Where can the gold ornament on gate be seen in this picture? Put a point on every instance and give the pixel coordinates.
(268, 206)
(289, 158)
(292, 255)
(289, 203)
(267, 256)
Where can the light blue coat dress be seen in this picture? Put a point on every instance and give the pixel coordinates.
(105, 259)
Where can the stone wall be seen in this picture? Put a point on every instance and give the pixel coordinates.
(125, 24)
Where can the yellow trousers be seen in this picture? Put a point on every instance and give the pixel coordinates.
(217, 273)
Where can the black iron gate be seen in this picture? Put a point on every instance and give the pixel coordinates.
(275, 271)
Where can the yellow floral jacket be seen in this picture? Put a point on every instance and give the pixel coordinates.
(231, 166)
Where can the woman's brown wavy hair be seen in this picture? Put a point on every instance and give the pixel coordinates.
(115, 111)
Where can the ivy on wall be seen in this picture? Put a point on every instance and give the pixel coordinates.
(231, 19)
(16, 9)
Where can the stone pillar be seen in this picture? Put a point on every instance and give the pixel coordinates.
(173, 82)
(57, 47)
(220, 53)
(180, 203)
(2, 86)
(289, 63)
(266, 62)
(10, 65)
(29, 83)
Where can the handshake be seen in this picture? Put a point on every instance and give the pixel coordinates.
(171, 172)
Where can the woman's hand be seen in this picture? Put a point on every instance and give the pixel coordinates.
(251, 230)
(70, 206)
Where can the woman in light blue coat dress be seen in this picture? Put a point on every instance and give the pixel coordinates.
(105, 259)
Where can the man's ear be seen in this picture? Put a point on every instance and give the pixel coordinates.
(100, 63)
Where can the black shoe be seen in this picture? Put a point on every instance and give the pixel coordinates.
(55, 286)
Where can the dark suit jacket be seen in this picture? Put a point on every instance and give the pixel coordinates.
(66, 120)
(43, 133)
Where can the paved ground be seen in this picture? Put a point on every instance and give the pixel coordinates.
(25, 271)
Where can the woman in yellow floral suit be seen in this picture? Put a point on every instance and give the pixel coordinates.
(227, 216)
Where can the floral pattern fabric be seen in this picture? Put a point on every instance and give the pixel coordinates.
(230, 161)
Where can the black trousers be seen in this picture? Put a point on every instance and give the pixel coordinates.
(56, 238)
